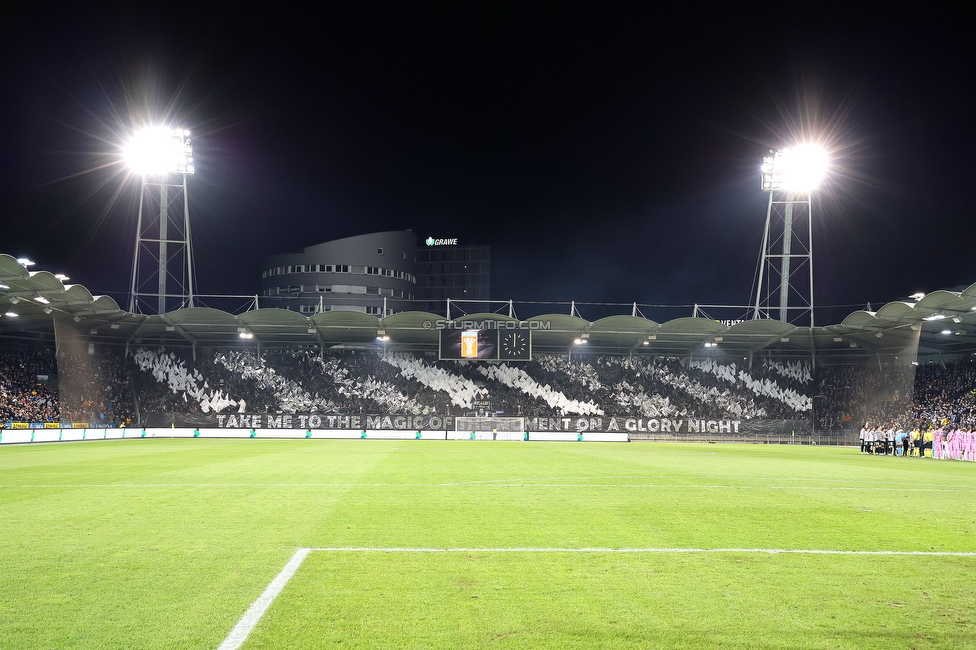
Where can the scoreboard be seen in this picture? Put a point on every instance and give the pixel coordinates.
(486, 344)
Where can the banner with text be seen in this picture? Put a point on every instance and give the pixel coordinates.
(609, 424)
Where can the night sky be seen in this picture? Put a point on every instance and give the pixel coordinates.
(607, 153)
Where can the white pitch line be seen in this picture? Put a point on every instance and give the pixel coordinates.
(714, 487)
(243, 629)
(596, 549)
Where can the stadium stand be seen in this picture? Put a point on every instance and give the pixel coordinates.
(946, 396)
(109, 388)
(95, 388)
(28, 389)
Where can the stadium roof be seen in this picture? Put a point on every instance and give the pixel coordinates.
(943, 321)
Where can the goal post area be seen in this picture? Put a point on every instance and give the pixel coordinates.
(490, 428)
(489, 424)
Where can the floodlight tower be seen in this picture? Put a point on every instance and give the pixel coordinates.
(789, 176)
(162, 258)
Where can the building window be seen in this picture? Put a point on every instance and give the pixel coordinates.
(307, 309)
(379, 251)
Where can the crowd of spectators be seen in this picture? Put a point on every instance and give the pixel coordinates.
(925, 397)
(95, 388)
(945, 396)
(109, 388)
(28, 386)
(304, 381)
(847, 396)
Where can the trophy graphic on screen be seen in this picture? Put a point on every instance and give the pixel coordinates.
(469, 345)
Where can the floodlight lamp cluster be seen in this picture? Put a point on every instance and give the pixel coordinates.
(800, 169)
(159, 150)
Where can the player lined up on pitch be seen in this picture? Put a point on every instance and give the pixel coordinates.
(951, 443)
(895, 441)
(948, 442)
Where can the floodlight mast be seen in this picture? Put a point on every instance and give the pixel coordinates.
(163, 157)
(790, 177)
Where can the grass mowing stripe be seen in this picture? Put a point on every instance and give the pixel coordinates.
(529, 549)
(242, 630)
(677, 486)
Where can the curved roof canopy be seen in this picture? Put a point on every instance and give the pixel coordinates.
(33, 300)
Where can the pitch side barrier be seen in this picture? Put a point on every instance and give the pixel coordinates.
(431, 427)
(22, 436)
(76, 435)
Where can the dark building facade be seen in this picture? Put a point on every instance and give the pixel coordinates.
(448, 270)
(373, 274)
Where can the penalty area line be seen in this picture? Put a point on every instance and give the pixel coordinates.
(256, 611)
(243, 629)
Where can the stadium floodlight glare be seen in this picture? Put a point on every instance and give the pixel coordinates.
(159, 150)
(790, 177)
(800, 169)
(23, 261)
(62, 277)
(11, 314)
(163, 157)
(934, 317)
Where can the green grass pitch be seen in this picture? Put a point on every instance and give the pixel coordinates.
(166, 543)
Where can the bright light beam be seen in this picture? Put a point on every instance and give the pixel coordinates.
(800, 169)
(159, 150)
